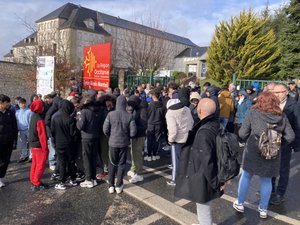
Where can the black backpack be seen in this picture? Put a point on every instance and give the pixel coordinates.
(227, 147)
(269, 142)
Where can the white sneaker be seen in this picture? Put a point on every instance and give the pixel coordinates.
(95, 183)
(111, 190)
(148, 158)
(263, 213)
(130, 173)
(153, 158)
(167, 148)
(157, 157)
(52, 168)
(88, 184)
(238, 206)
(2, 184)
(119, 189)
(60, 186)
(136, 178)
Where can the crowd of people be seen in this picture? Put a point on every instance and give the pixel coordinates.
(92, 131)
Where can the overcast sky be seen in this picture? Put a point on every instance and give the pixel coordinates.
(194, 19)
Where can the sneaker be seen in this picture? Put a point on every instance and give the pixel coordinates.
(153, 157)
(95, 183)
(111, 190)
(2, 184)
(52, 168)
(54, 176)
(73, 183)
(136, 178)
(277, 200)
(263, 213)
(80, 177)
(101, 176)
(171, 183)
(167, 148)
(130, 173)
(43, 186)
(35, 188)
(238, 206)
(23, 159)
(170, 166)
(241, 145)
(88, 184)
(119, 189)
(60, 186)
(148, 158)
(157, 157)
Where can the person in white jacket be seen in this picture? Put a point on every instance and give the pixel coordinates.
(179, 122)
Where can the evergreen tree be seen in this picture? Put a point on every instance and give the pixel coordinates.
(290, 41)
(245, 47)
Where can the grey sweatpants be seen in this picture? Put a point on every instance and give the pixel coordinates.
(204, 213)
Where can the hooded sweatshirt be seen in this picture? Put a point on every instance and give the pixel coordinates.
(179, 121)
(37, 129)
(63, 127)
(119, 125)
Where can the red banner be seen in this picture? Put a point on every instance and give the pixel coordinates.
(96, 67)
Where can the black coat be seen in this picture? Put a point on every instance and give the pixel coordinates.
(197, 178)
(292, 111)
(8, 127)
(63, 126)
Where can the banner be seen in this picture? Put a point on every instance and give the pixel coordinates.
(45, 75)
(96, 67)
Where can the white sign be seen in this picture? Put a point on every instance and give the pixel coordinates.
(45, 75)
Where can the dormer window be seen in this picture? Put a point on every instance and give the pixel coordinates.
(89, 23)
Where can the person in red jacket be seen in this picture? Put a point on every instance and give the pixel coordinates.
(38, 144)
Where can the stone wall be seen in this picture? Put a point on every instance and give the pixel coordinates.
(17, 80)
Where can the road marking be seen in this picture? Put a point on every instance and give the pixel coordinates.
(150, 219)
(183, 202)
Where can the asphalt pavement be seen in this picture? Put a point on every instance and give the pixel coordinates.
(148, 202)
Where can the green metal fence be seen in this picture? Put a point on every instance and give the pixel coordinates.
(135, 80)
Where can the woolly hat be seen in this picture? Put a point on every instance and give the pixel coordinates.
(195, 95)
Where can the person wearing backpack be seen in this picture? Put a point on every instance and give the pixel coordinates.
(197, 178)
(265, 113)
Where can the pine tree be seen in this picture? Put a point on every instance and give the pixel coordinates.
(290, 41)
(245, 47)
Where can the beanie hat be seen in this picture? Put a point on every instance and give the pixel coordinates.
(195, 95)
(172, 102)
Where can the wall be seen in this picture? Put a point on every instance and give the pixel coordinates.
(16, 80)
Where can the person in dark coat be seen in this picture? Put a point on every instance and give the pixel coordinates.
(137, 143)
(63, 129)
(291, 109)
(119, 126)
(265, 111)
(197, 179)
(212, 92)
(8, 135)
(89, 120)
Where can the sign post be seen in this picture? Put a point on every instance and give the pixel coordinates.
(45, 75)
(96, 65)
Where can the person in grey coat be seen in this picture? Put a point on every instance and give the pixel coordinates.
(119, 126)
(266, 110)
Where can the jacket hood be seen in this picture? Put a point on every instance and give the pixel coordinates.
(134, 101)
(37, 106)
(184, 96)
(92, 93)
(213, 90)
(121, 103)
(57, 101)
(267, 117)
(67, 107)
(225, 94)
(242, 92)
(156, 104)
(172, 102)
(256, 85)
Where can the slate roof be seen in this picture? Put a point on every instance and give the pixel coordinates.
(75, 14)
(195, 51)
(22, 43)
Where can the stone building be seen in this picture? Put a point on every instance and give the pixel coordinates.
(65, 31)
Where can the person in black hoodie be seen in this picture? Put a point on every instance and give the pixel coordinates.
(155, 127)
(212, 92)
(119, 126)
(8, 134)
(88, 123)
(63, 131)
(137, 143)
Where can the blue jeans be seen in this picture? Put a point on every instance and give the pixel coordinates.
(23, 144)
(265, 189)
(175, 154)
(51, 156)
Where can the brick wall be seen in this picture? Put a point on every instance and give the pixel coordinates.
(17, 80)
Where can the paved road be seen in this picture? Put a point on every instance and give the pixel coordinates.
(149, 202)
